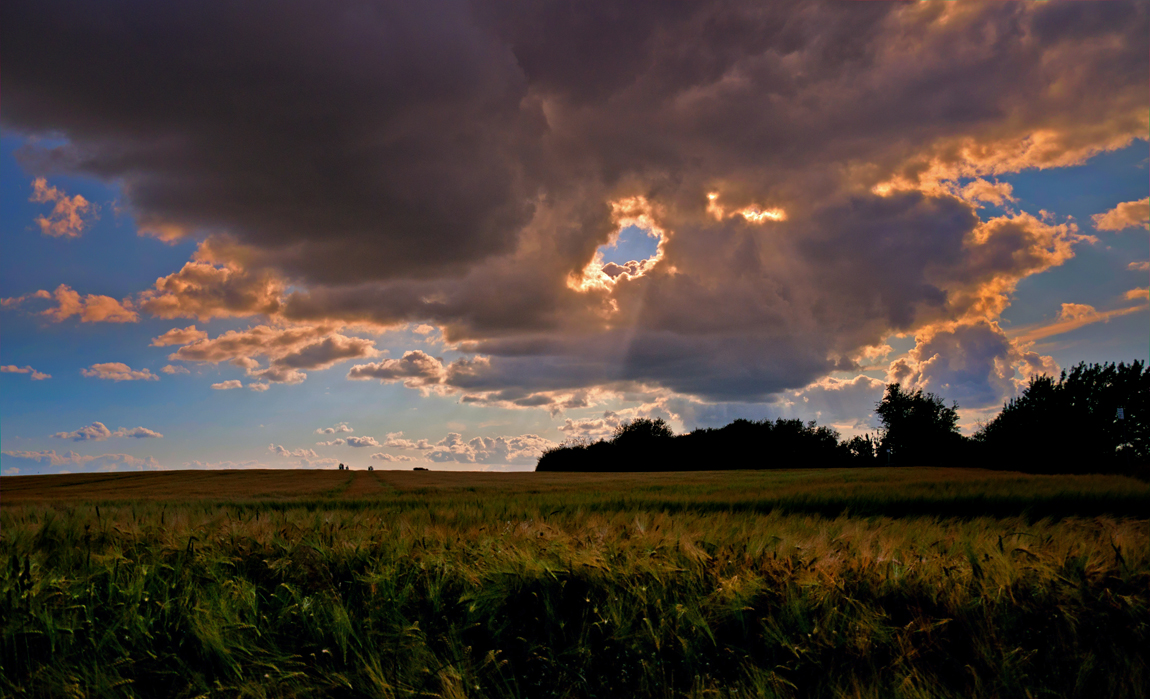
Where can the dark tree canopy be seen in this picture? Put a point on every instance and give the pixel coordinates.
(1071, 424)
(642, 431)
(1068, 425)
(917, 429)
(650, 445)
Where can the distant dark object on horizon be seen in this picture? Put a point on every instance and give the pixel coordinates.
(1068, 426)
(419, 468)
(649, 445)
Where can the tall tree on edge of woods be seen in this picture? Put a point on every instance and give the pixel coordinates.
(917, 429)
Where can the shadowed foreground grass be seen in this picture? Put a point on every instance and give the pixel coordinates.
(770, 584)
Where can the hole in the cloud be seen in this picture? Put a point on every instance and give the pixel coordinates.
(631, 252)
(633, 243)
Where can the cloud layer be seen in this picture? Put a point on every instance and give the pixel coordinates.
(465, 161)
(98, 432)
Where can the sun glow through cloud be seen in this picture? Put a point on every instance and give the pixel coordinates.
(630, 212)
(753, 213)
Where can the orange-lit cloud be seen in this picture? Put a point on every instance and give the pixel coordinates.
(1074, 316)
(602, 276)
(204, 291)
(67, 219)
(13, 369)
(118, 371)
(980, 190)
(752, 213)
(91, 308)
(178, 336)
(290, 350)
(416, 369)
(1129, 214)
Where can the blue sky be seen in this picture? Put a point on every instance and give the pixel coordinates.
(458, 296)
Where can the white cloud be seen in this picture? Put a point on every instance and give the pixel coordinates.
(337, 429)
(173, 369)
(362, 442)
(973, 364)
(381, 456)
(396, 440)
(332, 443)
(279, 450)
(592, 428)
(137, 433)
(37, 460)
(523, 449)
(98, 432)
(227, 385)
(259, 387)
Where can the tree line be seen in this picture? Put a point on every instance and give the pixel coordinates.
(1092, 419)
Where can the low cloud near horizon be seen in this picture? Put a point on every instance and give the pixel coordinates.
(98, 432)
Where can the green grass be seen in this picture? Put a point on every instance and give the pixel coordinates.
(870, 583)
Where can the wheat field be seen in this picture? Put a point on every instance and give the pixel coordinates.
(805, 583)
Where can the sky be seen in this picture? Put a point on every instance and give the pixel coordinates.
(455, 234)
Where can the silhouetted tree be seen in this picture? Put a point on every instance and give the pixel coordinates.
(1071, 425)
(650, 445)
(1065, 425)
(642, 431)
(862, 450)
(917, 429)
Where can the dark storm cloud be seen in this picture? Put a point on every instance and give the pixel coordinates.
(342, 140)
(459, 163)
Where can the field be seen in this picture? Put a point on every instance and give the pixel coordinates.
(804, 583)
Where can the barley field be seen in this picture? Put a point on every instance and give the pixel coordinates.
(806, 583)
